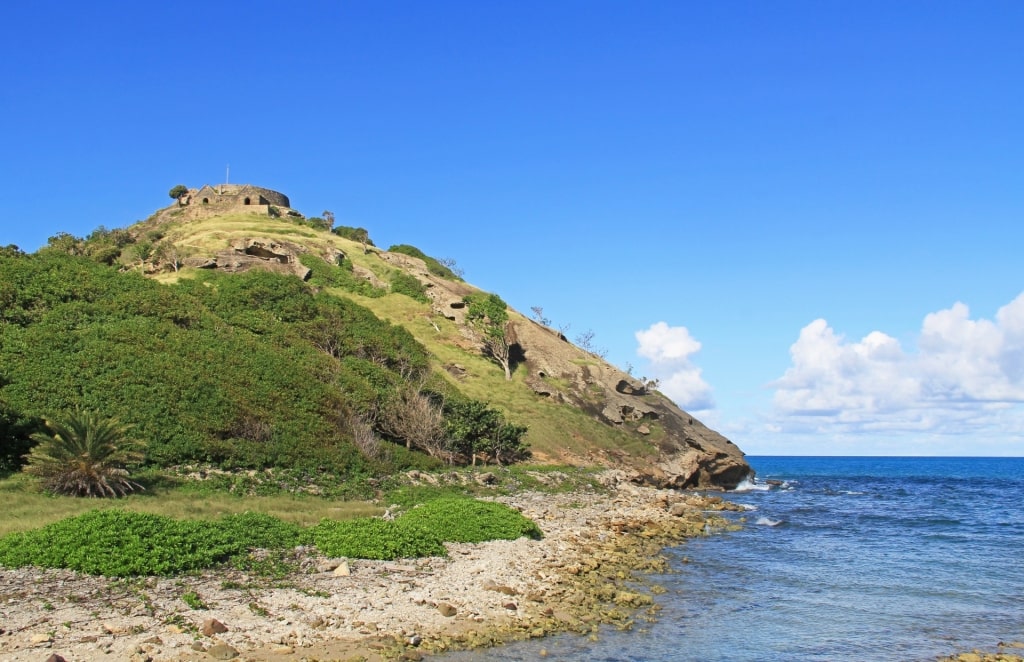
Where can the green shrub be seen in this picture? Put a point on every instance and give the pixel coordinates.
(369, 538)
(340, 276)
(403, 283)
(192, 599)
(433, 265)
(469, 520)
(354, 234)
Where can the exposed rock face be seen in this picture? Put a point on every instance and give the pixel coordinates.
(689, 454)
(686, 453)
(259, 253)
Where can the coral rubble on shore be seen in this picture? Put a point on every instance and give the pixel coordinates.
(581, 575)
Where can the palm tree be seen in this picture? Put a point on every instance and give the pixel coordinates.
(86, 455)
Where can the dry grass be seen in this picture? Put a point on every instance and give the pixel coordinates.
(555, 431)
(26, 507)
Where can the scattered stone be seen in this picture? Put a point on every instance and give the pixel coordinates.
(327, 565)
(511, 606)
(115, 629)
(41, 638)
(212, 626)
(643, 429)
(198, 646)
(222, 652)
(342, 569)
(679, 509)
(394, 567)
(56, 658)
(446, 609)
(153, 640)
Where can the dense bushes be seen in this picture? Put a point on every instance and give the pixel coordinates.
(120, 543)
(475, 429)
(250, 370)
(15, 439)
(241, 370)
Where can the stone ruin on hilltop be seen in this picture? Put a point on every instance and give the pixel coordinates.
(225, 198)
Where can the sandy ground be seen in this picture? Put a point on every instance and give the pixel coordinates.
(335, 609)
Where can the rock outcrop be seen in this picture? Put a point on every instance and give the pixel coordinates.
(259, 253)
(676, 450)
(687, 453)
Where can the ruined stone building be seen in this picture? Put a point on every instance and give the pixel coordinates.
(224, 198)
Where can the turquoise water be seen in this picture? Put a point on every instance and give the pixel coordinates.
(847, 559)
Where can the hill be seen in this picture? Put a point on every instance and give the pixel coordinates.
(258, 338)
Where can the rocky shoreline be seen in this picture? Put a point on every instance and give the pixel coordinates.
(581, 575)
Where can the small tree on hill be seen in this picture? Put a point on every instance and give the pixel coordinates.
(86, 455)
(412, 415)
(177, 191)
(167, 253)
(488, 314)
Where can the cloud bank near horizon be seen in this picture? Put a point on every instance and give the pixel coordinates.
(668, 350)
(964, 375)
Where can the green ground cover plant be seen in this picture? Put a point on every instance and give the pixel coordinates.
(114, 542)
(122, 543)
(470, 520)
(367, 538)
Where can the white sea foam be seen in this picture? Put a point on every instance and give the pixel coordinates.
(747, 506)
(764, 521)
(748, 485)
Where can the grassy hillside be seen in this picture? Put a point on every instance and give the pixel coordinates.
(555, 432)
(257, 370)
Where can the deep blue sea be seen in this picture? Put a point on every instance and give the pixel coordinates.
(846, 559)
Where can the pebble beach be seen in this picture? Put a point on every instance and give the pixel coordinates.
(587, 571)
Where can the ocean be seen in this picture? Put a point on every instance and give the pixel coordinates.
(840, 558)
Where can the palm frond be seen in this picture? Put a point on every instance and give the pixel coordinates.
(86, 454)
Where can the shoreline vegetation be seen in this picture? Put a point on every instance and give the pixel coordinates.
(599, 541)
(603, 539)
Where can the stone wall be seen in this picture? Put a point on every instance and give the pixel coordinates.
(241, 195)
(232, 197)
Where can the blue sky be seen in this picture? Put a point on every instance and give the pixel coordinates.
(803, 217)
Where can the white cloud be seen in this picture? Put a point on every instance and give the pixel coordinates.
(965, 375)
(668, 349)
